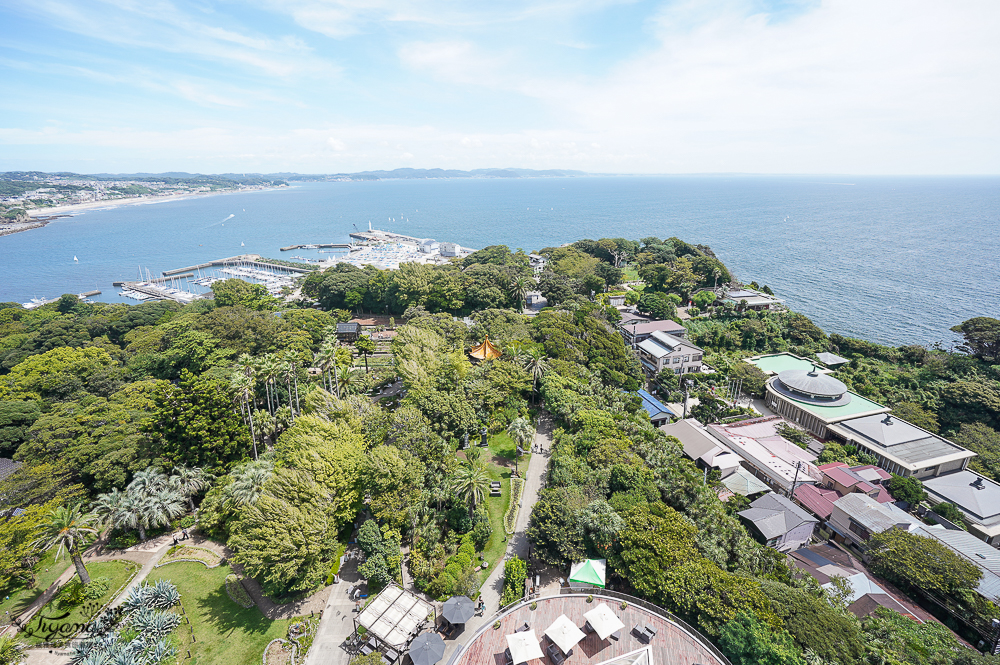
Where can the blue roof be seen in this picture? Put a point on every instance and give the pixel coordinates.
(653, 406)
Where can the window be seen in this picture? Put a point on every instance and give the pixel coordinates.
(687, 358)
(678, 370)
(859, 530)
(696, 357)
(692, 370)
(677, 360)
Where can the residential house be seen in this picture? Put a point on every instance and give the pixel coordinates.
(659, 414)
(857, 517)
(700, 446)
(7, 467)
(827, 561)
(778, 522)
(840, 480)
(537, 263)
(635, 330)
(976, 497)
(663, 351)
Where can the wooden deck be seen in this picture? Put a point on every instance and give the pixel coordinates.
(671, 645)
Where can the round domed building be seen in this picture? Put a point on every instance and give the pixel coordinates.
(814, 399)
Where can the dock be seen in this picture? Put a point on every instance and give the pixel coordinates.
(244, 260)
(313, 245)
(38, 302)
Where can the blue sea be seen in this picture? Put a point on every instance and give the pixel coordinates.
(895, 260)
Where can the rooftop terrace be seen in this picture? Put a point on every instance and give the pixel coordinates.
(673, 644)
(776, 363)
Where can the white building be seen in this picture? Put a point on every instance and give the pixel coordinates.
(662, 351)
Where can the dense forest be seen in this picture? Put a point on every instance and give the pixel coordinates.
(285, 438)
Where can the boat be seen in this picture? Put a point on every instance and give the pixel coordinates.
(243, 244)
(76, 259)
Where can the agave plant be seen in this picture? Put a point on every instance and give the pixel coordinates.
(160, 652)
(154, 624)
(136, 599)
(163, 595)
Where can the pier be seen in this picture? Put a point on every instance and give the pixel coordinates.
(38, 302)
(328, 245)
(252, 260)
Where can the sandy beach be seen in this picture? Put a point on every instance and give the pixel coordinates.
(62, 210)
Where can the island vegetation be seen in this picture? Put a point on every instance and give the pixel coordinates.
(290, 441)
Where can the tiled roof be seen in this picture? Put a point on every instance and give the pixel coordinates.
(653, 406)
(816, 499)
(7, 467)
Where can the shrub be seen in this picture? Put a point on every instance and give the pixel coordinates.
(236, 592)
(76, 593)
(510, 519)
(481, 533)
(515, 572)
(123, 540)
(186, 522)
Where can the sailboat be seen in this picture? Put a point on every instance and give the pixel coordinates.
(243, 244)
(76, 259)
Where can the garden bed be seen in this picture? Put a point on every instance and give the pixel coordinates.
(510, 519)
(60, 620)
(190, 553)
(238, 592)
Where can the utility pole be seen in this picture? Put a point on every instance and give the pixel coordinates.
(685, 383)
(798, 465)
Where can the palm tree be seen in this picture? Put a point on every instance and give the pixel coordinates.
(161, 506)
(365, 346)
(189, 481)
(534, 362)
(11, 650)
(270, 368)
(66, 529)
(146, 482)
(470, 483)
(108, 507)
(518, 291)
(244, 386)
(290, 375)
(521, 431)
(326, 358)
(248, 484)
(349, 382)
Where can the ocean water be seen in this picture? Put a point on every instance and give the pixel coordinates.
(892, 260)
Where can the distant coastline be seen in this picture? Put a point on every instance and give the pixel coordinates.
(41, 217)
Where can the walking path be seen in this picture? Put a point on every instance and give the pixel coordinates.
(337, 624)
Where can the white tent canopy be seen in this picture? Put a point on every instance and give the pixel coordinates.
(564, 633)
(394, 616)
(603, 621)
(524, 647)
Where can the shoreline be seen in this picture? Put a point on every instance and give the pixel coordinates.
(67, 210)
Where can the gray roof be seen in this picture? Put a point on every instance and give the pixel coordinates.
(983, 556)
(7, 467)
(812, 383)
(349, 327)
(874, 516)
(652, 348)
(775, 515)
(899, 438)
(646, 326)
(831, 358)
(743, 482)
(974, 494)
(699, 444)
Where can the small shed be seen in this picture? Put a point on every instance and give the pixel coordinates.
(831, 359)
(659, 414)
(592, 572)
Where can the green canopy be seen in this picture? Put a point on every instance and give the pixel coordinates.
(591, 571)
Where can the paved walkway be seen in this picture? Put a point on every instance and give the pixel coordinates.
(517, 544)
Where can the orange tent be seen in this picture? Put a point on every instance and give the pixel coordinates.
(485, 351)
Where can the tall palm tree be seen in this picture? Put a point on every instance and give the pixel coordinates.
(350, 382)
(470, 482)
(161, 506)
(66, 529)
(521, 430)
(290, 375)
(326, 358)
(270, 367)
(518, 291)
(189, 481)
(534, 362)
(244, 387)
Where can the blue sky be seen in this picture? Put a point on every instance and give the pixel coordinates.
(894, 86)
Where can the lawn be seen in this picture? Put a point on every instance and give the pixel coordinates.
(496, 507)
(631, 274)
(224, 632)
(47, 571)
(502, 445)
(54, 623)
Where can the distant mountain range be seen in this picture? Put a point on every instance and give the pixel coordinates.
(256, 177)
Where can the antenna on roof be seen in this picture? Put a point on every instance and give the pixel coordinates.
(887, 420)
(978, 483)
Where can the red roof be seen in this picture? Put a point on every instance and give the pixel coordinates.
(816, 500)
(883, 495)
(832, 465)
(841, 476)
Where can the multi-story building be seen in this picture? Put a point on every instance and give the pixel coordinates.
(663, 351)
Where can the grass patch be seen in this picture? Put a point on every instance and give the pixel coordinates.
(17, 599)
(224, 633)
(54, 623)
(188, 552)
(631, 274)
(502, 445)
(496, 507)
